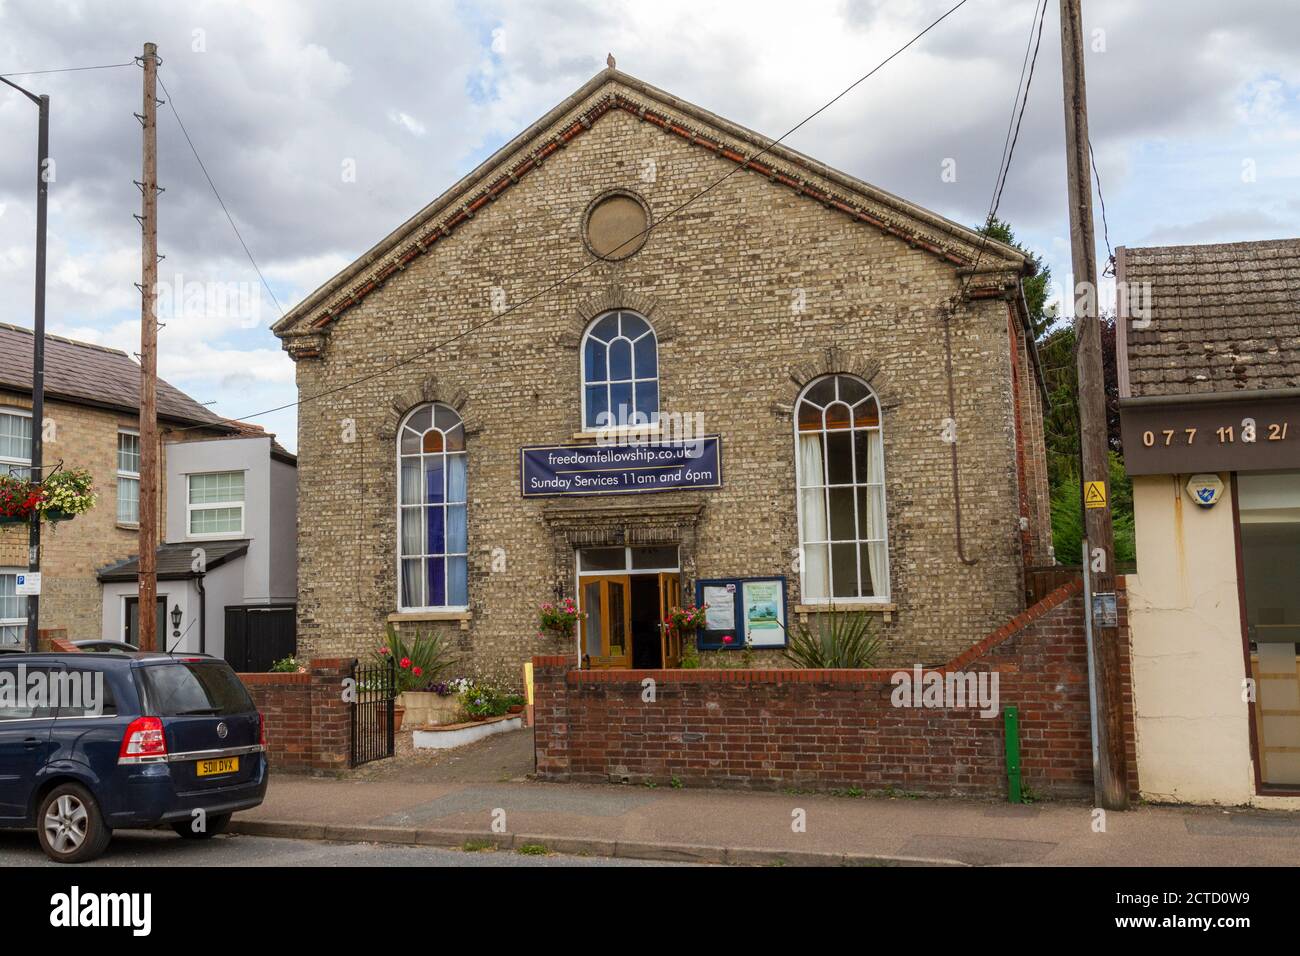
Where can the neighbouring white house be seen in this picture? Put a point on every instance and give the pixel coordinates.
(227, 568)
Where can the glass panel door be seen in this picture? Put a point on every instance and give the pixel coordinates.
(607, 621)
(670, 596)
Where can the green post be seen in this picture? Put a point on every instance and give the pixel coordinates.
(1011, 721)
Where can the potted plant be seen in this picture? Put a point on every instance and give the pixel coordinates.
(421, 662)
(481, 701)
(560, 618)
(514, 704)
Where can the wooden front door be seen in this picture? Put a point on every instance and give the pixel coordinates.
(607, 623)
(670, 596)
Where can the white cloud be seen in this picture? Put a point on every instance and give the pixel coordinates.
(407, 122)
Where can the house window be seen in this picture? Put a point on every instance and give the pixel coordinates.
(15, 442)
(840, 465)
(128, 478)
(216, 504)
(13, 610)
(620, 372)
(433, 545)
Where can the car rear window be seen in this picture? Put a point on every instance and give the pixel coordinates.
(182, 688)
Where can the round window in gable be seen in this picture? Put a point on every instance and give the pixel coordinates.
(616, 225)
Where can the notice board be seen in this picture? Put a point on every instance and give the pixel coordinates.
(753, 608)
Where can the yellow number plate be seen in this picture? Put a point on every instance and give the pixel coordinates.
(213, 768)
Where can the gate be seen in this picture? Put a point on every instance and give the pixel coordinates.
(371, 714)
(257, 637)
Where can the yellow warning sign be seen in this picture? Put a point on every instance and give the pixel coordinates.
(1094, 494)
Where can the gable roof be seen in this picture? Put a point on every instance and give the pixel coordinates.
(86, 374)
(1223, 318)
(612, 90)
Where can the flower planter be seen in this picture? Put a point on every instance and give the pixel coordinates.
(425, 708)
(399, 712)
(10, 519)
(56, 514)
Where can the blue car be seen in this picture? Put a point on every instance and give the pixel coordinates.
(93, 742)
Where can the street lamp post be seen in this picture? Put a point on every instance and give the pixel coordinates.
(38, 351)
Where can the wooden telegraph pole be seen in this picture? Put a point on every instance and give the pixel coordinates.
(1111, 773)
(148, 573)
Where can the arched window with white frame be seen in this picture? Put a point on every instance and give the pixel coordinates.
(433, 543)
(620, 371)
(840, 468)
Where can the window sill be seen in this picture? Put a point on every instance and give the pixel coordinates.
(413, 617)
(872, 607)
(129, 525)
(647, 433)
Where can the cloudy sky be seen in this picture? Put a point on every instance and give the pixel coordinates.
(1194, 107)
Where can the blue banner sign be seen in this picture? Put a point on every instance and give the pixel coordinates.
(550, 470)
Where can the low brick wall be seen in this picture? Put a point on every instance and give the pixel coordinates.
(824, 729)
(306, 717)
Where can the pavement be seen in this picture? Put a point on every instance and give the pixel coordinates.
(483, 794)
(151, 848)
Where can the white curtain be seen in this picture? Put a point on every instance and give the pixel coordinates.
(876, 515)
(816, 563)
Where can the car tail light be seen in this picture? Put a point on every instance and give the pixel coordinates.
(143, 738)
(261, 729)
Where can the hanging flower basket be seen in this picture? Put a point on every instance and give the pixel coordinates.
(686, 620)
(61, 497)
(19, 497)
(559, 619)
(66, 494)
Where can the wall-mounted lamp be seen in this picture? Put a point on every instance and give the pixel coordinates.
(176, 621)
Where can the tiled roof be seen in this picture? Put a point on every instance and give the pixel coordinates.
(83, 373)
(248, 429)
(1224, 318)
(174, 560)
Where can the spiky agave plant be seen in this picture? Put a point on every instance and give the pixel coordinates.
(839, 639)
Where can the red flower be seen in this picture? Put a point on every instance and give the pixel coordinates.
(405, 662)
(417, 671)
(384, 651)
(727, 639)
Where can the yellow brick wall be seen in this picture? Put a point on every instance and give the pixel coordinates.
(721, 278)
(72, 551)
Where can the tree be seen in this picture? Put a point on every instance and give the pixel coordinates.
(1056, 344)
(1035, 286)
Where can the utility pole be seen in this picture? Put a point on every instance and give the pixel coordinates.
(148, 571)
(1110, 781)
(38, 352)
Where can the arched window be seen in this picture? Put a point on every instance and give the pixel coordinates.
(620, 372)
(432, 541)
(841, 476)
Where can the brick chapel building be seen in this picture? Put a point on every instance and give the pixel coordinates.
(867, 406)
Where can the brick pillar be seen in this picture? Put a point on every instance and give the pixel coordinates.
(551, 715)
(330, 715)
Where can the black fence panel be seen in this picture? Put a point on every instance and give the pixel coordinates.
(257, 637)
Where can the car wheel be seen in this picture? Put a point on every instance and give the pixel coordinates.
(69, 825)
(213, 825)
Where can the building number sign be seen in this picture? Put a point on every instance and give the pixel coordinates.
(1226, 434)
(1182, 438)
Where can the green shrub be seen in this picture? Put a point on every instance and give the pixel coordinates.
(838, 639)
